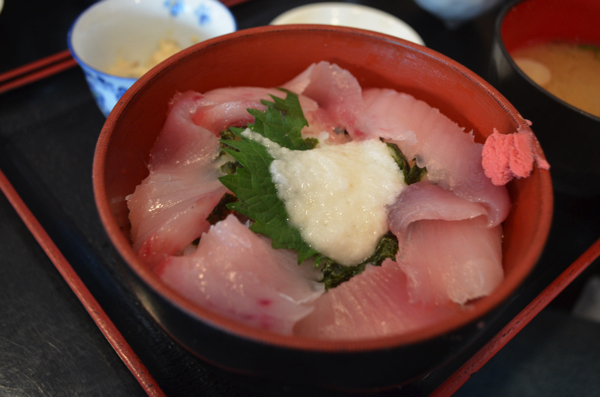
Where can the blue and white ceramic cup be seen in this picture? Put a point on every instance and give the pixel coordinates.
(131, 30)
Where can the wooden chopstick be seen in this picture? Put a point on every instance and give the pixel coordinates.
(36, 70)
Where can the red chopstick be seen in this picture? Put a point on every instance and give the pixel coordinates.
(106, 326)
(36, 70)
(231, 3)
(474, 364)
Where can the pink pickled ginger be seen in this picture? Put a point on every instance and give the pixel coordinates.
(508, 156)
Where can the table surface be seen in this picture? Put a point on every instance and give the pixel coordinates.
(48, 131)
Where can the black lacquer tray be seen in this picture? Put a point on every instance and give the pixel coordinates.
(48, 131)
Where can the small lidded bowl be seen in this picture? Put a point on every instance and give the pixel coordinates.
(560, 32)
(116, 41)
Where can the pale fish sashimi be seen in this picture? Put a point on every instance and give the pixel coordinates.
(176, 142)
(451, 260)
(226, 107)
(424, 200)
(372, 304)
(237, 273)
(337, 93)
(168, 210)
(451, 156)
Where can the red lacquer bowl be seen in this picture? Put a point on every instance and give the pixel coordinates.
(269, 56)
(570, 137)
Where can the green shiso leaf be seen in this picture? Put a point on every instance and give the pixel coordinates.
(230, 167)
(252, 184)
(221, 211)
(411, 174)
(249, 178)
(334, 274)
(415, 174)
(282, 122)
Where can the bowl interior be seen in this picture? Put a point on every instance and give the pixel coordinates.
(131, 29)
(538, 21)
(377, 61)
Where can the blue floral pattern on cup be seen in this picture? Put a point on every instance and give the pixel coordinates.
(106, 89)
(203, 13)
(209, 18)
(174, 6)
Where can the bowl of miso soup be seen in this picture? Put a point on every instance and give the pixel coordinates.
(546, 61)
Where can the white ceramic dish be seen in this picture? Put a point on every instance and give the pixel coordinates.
(131, 30)
(455, 12)
(351, 15)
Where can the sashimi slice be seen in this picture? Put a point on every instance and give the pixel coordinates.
(451, 156)
(168, 214)
(322, 127)
(225, 107)
(336, 91)
(423, 200)
(180, 140)
(372, 304)
(236, 273)
(451, 260)
(168, 210)
(380, 117)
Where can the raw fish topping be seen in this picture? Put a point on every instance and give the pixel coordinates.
(439, 244)
(238, 274)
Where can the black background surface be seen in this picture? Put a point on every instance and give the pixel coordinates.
(48, 343)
